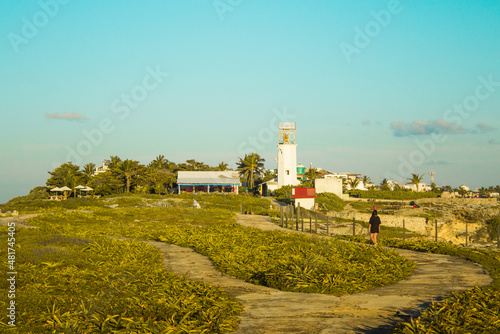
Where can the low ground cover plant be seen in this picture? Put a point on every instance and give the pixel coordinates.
(275, 259)
(87, 285)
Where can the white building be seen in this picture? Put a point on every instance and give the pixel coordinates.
(329, 185)
(99, 169)
(287, 155)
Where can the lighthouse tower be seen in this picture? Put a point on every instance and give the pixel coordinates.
(287, 155)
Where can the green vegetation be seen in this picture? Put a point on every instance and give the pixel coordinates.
(76, 279)
(416, 179)
(251, 167)
(275, 259)
(472, 311)
(86, 285)
(493, 225)
(283, 194)
(392, 195)
(330, 202)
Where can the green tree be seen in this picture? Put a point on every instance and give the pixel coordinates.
(284, 193)
(366, 180)
(434, 188)
(447, 188)
(67, 174)
(158, 181)
(353, 183)
(384, 185)
(222, 166)
(312, 174)
(128, 169)
(250, 168)
(88, 171)
(192, 165)
(114, 161)
(462, 191)
(415, 179)
(107, 183)
(159, 162)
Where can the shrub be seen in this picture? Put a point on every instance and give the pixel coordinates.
(330, 202)
(493, 225)
(396, 195)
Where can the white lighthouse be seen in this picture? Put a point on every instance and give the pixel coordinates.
(287, 155)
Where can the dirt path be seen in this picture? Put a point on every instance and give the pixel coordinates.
(20, 220)
(271, 311)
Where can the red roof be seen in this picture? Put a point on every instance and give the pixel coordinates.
(303, 192)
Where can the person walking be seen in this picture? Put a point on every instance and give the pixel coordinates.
(374, 227)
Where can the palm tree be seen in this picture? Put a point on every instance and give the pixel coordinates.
(384, 185)
(159, 162)
(415, 179)
(129, 168)
(88, 171)
(365, 180)
(222, 166)
(312, 174)
(250, 168)
(113, 161)
(353, 183)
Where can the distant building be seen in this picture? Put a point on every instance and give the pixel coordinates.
(329, 185)
(209, 182)
(305, 197)
(346, 177)
(301, 172)
(101, 169)
(421, 187)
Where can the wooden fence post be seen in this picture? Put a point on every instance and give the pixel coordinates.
(404, 231)
(297, 217)
(498, 236)
(316, 223)
(466, 234)
(436, 225)
(302, 217)
(310, 225)
(327, 226)
(241, 207)
(281, 215)
(353, 226)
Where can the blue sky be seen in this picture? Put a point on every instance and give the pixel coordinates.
(382, 88)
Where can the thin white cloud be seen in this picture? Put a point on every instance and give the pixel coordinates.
(66, 115)
(417, 127)
(483, 127)
(436, 162)
(367, 122)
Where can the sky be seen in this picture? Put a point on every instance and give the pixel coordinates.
(381, 88)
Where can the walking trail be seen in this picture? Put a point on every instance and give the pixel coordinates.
(271, 311)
